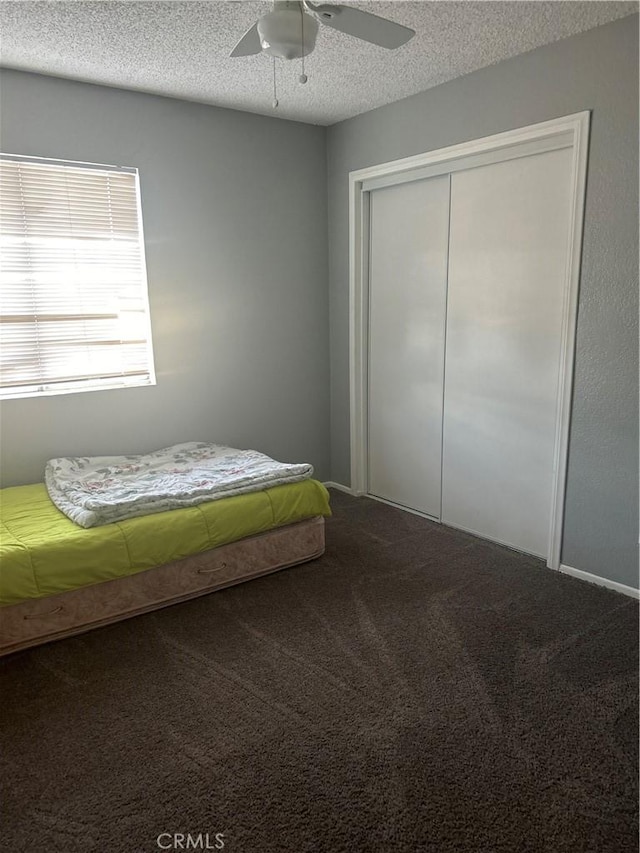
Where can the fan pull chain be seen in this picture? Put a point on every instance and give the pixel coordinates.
(303, 77)
(275, 90)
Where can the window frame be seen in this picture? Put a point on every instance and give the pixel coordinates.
(93, 383)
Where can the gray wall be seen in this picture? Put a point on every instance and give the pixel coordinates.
(598, 71)
(234, 209)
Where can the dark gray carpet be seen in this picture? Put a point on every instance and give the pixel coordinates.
(416, 689)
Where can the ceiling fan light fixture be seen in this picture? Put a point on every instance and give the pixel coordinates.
(282, 33)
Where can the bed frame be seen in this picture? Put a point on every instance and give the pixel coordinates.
(40, 620)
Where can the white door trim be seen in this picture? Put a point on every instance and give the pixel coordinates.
(568, 131)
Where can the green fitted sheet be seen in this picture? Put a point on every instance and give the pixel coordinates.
(42, 552)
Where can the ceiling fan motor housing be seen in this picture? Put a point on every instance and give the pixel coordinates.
(287, 32)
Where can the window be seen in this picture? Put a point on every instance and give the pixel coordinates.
(74, 312)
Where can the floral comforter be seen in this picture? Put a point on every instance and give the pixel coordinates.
(102, 489)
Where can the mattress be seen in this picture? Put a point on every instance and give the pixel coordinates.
(43, 553)
(39, 620)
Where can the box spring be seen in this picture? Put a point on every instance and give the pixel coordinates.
(56, 616)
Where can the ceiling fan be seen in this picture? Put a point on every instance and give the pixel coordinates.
(289, 31)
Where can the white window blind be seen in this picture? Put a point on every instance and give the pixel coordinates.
(74, 311)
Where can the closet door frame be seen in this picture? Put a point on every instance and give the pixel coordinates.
(567, 132)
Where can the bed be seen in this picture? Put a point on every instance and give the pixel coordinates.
(59, 579)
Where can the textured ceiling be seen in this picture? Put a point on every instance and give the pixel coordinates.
(182, 49)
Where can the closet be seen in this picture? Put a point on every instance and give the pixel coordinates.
(408, 294)
(465, 327)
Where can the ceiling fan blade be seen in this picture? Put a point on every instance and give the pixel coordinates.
(249, 43)
(363, 25)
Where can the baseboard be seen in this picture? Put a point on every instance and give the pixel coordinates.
(331, 485)
(631, 591)
(587, 576)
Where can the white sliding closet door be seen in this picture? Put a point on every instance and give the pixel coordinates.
(508, 257)
(408, 275)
